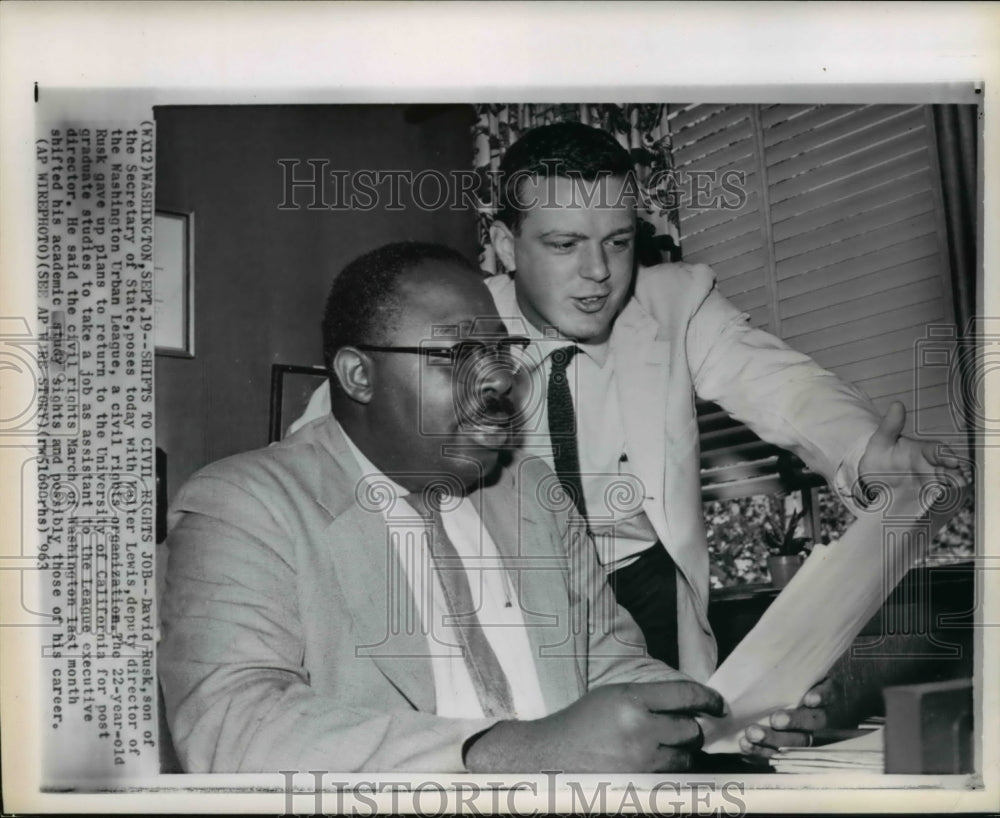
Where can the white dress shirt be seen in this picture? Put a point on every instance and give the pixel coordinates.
(613, 494)
(497, 606)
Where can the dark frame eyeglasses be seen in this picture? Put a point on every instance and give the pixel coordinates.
(462, 352)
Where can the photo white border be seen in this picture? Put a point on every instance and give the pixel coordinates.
(145, 54)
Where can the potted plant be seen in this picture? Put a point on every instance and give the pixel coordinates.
(786, 549)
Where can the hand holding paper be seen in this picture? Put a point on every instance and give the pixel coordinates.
(635, 727)
(815, 619)
(791, 728)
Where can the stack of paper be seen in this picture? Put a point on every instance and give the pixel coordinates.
(815, 619)
(865, 754)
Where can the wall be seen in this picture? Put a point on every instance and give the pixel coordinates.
(261, 274)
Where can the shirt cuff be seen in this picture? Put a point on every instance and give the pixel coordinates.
(847, 479)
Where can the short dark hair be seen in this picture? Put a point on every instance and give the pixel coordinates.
(364, 302)
(569, 149)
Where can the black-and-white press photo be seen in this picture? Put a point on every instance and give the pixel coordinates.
(490, 451)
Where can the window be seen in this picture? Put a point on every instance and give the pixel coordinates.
(825, 224)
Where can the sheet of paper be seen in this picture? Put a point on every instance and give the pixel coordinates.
(814, 620)
(865, 754)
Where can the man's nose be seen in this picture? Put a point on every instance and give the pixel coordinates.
(594, 264)
(495, 377)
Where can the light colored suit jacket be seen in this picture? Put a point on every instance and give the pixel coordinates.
(678, 337)
(289, 635)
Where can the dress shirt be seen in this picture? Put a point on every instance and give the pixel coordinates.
(498, 609)
(613, 494)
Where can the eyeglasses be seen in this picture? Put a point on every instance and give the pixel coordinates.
(464, 352)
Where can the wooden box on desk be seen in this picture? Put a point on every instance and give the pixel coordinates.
(928, 728)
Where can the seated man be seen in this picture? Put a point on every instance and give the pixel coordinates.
(319, 592)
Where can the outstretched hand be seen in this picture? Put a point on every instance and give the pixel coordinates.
(893, 459)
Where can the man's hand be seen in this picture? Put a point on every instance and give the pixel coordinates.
(792, 728)
(638, 727)
(894, 459)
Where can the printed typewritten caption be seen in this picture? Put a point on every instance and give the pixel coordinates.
(94, 260)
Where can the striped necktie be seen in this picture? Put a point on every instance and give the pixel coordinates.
(484, 668)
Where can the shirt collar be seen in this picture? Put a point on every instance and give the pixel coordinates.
(372, 475)
(548, 340)
(598, 353)
(369, 471)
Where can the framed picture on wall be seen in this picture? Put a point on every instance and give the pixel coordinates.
(292, 387)
(173, 290)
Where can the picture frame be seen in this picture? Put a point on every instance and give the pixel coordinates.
(292, 387)
(173, 290)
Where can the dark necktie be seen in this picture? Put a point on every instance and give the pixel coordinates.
(487, 675)
(647, 588)
(562, 428)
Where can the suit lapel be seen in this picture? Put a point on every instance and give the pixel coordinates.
(664, 452)
(385, 625)
(642, 368)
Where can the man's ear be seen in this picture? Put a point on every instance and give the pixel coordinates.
(502, 238)
(354, 372)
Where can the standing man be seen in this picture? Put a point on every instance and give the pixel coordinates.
(624, 353)
(379, 591)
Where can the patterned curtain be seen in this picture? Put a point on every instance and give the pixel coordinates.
(640, 128)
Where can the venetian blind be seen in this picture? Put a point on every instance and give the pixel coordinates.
(837, 244)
